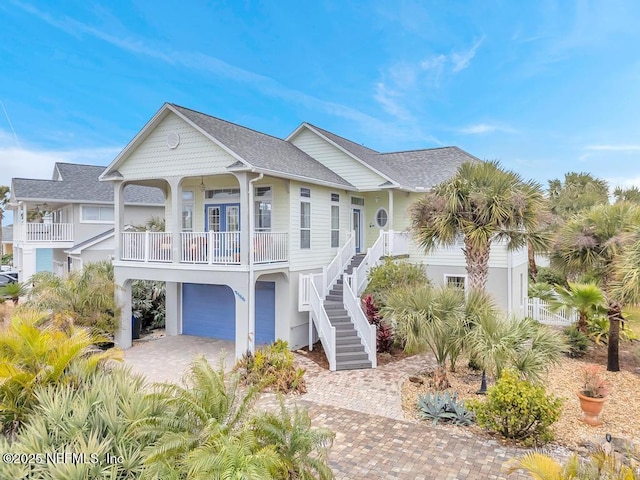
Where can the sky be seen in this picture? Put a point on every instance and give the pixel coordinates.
(544, 87)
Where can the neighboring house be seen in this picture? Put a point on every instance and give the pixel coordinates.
(7, 240)
(260, 229)
(60, 224)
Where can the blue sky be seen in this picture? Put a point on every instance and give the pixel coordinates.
(544, 87)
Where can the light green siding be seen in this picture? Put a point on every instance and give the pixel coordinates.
(195, 155)
(348, 168)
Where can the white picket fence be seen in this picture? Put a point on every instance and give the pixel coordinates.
(541, 311)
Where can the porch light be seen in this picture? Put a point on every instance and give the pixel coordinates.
(202, 187)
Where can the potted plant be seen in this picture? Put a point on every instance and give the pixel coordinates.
(593, 394)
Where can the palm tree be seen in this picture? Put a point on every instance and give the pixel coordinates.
(424, 318)
(480, 204)
(586, 298)
(14, 291)
(580, 191)
(592, 243)
(86, 297)
(626, 287)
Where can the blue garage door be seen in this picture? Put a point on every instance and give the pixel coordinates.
(208, 311)
(265, 312)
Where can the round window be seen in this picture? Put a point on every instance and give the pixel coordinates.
(381, 218)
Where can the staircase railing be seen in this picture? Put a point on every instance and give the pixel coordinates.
(361, 273)
(332, 272)
(366, 331)
(318, 317)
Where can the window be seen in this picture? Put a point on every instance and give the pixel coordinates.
(357, 201)
(335, 197)
(223, 193)
(381, 218)
(305, 225)
(187, 211)
(305, 192)
(262, 209)
(335, 226)
(91, 214)
(457, 281)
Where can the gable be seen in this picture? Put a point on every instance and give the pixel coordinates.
(195, 154)
(333, 158)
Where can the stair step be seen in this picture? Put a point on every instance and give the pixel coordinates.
(350, 356)
(349, 347)
(353, 365)
(333, 298)
(351, 334)
(336, 290)
(340, 318)
(341, 326)
(333, 305)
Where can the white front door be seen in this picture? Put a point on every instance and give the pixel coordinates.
(356, 226)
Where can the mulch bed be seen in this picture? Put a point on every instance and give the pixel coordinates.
(318, 356)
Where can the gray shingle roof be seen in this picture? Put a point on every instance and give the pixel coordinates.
(261, 150)
(415, 168)
(79, 183)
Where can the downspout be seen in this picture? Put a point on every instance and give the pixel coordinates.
(252, 284)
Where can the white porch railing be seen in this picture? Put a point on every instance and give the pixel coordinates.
(361, 273)
(318, 317)
(270, 247)
(220, 248)
(146, 246)
(367, 332)
(395, 243)
(541, 311)
(43, 232)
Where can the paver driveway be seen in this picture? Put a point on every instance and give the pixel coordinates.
(363, 408)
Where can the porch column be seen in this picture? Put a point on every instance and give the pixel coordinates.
(118, 217)
(123, 300)
(242, 321)
(174, 221)
(390, 219)
(173, 302)
(245, 233)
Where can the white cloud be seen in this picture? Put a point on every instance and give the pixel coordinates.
(614, 148)
(461, 60)
(481, 128)
(623, 182)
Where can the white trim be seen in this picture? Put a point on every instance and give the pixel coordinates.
(375, 217)
(104, 222)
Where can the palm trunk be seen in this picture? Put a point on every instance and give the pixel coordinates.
(477, 257)
(615, 317)
(533, 268)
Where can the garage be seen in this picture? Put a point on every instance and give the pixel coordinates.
(265, 313)
(208, 311)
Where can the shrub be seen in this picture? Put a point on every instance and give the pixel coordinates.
(518, 410)
(148, 303)
(444, 406)
(384, 334)
(393, 274)
(272, 367)
(550, 276)
(577, 342)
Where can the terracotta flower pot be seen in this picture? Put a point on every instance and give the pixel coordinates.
(591, 407)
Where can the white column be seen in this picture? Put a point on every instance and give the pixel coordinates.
(123, 300)
(173, 317)
(390, 225)
(174, 221)
(245, 233)
(118, 213)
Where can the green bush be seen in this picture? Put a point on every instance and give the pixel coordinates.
(148, 303)
(272, 367)
(577, 342)
(550, 276)
(393, 274)
(518, 410)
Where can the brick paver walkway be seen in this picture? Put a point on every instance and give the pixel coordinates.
(363, 407)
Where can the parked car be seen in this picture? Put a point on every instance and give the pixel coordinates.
(6, 278)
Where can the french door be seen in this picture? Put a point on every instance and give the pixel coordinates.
(224, 221)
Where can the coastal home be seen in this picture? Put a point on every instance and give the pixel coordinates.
(7, 240)
(61, 223)
(260, 231)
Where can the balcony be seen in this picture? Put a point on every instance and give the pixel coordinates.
(203, 248)
(43, 232)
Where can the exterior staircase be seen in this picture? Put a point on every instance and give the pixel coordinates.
(350, 352)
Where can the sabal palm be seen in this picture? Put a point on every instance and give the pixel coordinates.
(14, 291)
(586, 298)
(593, 242)
(482, 203)
(33, 353)
(626, 286)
